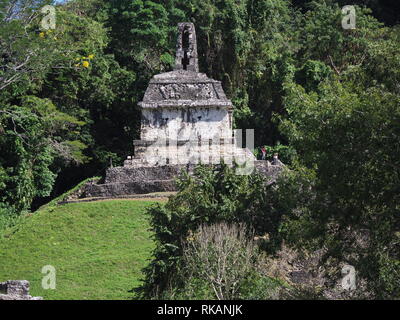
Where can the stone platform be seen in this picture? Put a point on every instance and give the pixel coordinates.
(124, 181)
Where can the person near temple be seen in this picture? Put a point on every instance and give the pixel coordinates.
(264, 153)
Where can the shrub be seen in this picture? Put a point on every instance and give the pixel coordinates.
(223, 255)
(223, 261)
(210, 196)
(8, 218)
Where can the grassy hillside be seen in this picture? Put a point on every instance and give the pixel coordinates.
(97, 248)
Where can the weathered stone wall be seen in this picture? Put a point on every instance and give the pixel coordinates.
(196, 151)
(126, 174)
(124, 181)
(185, 124)
(16, 290)
(115, 190)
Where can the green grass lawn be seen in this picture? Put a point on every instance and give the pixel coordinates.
(97, 248)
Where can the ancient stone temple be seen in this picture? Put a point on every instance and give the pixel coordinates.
(186, 117)
(186, 121)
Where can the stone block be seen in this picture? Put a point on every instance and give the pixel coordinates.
(16, 290)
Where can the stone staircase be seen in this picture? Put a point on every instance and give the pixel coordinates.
(125, 181)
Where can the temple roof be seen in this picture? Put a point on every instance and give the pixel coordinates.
(185, 86)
